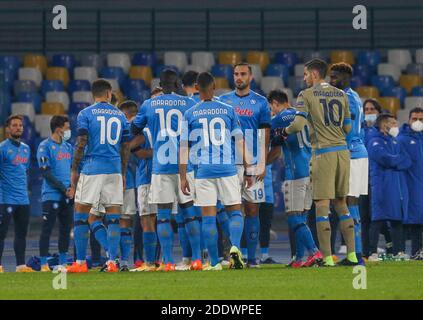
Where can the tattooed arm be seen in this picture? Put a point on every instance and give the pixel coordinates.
(125, 152)
(78, 155)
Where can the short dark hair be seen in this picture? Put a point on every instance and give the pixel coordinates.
(375, 103)
(129, 105)
(318, 65)
(169, 80)
(100, 87)
(189, 78)
(382, 118)
(58, 122)
(415, 110)
(277, 95)
(13, 117)
(245, 64)
(204, 80)
(342, 67)
(114, 99)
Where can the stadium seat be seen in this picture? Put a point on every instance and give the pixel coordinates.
(221, 83)
(397, 92)
(10, 62)
(219, 92)
(58, 96)
(75, 107)
(229, 57)
(368, 92)
(299, 70)
(253, 85)
(383, 82)
(176, 58)
(223, 70)
(32, 74)
(417, 91)
(413, 102)
(7, 79)
(92, 60)
(257, 73)
(42, 125)
(58, 73)
(369, 58)
(141, 73)
(298, 84)
(279, 70)
(29, 134)
(31, 97)
(192, 67)
(83, 96)
(315, 55)
(402, 116)
(159, 68)
(400, 57)
(65, 61)
(79, 85)
(258, 57)
(139, 96)
(144, 59)
(5, 106)
(51, 85)
(24, 86)
(85, 73)
(36, 61)
(155, 82)
(415, 69)
(121, 60)
(357, 81)
(290, 95)
(409, 81)
(137, 84)
(270, 83)
(114, 83)
(390, 103)
(419, 56)
(203, 58)
(388, 69)
(52, 108)
(113, 73)
(289, 59)
(364, 71)
(342, 56)
(24, 108)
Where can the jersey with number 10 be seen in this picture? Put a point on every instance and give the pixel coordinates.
(106, 128)
(163, 116)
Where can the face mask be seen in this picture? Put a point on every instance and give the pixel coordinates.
(393, 131)
(370, 117)
(417, 126)
(67, 135)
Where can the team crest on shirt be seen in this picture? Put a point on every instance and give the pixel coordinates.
(413, 142)
(53, 147)
(395, 142)
(25, 150)
(55, 206)
(241, 103)
(9, 151)
(253, 101)
(9, 209)
(376, 143)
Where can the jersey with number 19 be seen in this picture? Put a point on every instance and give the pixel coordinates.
(101, 177)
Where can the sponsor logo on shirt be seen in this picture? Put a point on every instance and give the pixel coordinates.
(19, 160)
(244, 112)
(63, 155)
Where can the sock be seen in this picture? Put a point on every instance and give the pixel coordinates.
(80, 235)
(125, 245)
(165, 234)
(252, 226)
(236, 226)
(113, 235)
(355, 213)
(183, 237)
(347, 229)
(223, 219)
(43, 260)
(323, 230)
(307, 236)
(193, 228)
(264, 253)
(295, 224)
(150, 243)
(100, 233)
(210, 236)
(63, 258)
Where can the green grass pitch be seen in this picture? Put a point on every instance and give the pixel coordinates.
(389, 280)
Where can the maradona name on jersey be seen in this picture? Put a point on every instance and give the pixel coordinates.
(168, 103)
(106, 111)
(208, 112)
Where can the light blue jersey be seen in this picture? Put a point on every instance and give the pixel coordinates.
(296, 148)
(144, 166)
(106, 128)
(355, 138)
(57, 157)
(14, 164)
(163, 116)
(268, 184)
(210, 128)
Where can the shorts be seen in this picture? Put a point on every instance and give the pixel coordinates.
(98, 210)
(297, 195)
(225, 189)
(359, 177)
(166, 188)
(106, 189)
(330, 175)
(145, 208)
(129, 207)
(254, 194)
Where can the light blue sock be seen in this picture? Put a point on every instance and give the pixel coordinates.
(223, 219)
(100, 233)
(252, 229)
(236, 226)
(182, 235)
(307, 236)
(43, 260)
(210, 236)
(125, 244)
(150, 244)
(294, 223)
(355, 214)
(193, 228)
(63, 258)
(165, 234)
(113, 235)
(81, 235)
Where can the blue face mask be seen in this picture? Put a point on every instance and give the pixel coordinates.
(67, 135)
(370, 118)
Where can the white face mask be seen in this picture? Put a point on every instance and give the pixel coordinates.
(67, 135)
(370, 117)
(417, 126)
(394, 131)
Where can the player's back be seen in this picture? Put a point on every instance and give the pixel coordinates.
(327, 110)
(144, 166)
(355, 138)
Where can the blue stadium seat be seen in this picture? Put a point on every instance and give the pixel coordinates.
(415, 69)
(224, 71)
(64, 60)
(139, 96)
(79, 85)
(260, 92)
(417, 91)
(383, 82)
(397, 92)
(370, 58)
(92, 60)
(51, 85)
(75, 107)
(114, 73)
(7, 78)
(24, 86)
(5, 106)
(144, 59)
(363, 71)
(72, 121)
(10, 62)
(253, 85)
(278, 70)
(297, 84)
(31, 97)
(158, 69)
(137, 84)
(358, 81)
(29, 133)
(289, 59)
